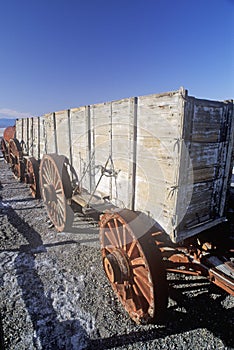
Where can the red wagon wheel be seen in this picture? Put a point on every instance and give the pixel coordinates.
(133, 265)
(32, 176)
(9, 133)
(56, 190)
(16, 159)
(4, 149)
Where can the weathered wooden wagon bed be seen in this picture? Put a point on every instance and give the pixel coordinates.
(158, 169)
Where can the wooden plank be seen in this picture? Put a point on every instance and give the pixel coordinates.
(35, 137)
(18, 129)
(112, 128)
(208, 149)
(30, 136)
(229, 157)
(159, 133)
(204, 154)
(42, 139)
(24, 141)
(159, 116)
(49, 133)
(79, 143)
(62, 133)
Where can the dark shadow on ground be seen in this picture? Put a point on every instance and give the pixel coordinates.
(19, 200)
(42, 248)
(50, 332)
(200, 311)
(2, 345)
(29, 208)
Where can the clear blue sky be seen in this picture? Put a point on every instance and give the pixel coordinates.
(57, 54)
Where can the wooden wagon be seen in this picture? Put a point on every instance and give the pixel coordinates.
(156, 169)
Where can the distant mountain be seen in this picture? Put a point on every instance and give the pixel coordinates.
(5, 122)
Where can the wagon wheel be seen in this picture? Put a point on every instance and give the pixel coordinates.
(133, 265)
(9, 133)
(16, 159)
(32, 176)
(56, 190)
(4, 149)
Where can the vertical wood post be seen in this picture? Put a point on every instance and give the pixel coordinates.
(55, 134)
(134, 158)
(69, 136)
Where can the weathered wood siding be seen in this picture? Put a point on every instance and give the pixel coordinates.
(50, 133)
(19, 129)
(159, 125)
(167, 155)
(122, 151)
(25, 135)
(79, 151)
(112, 148)
(35, 146)
(208, 135)
(61, 132)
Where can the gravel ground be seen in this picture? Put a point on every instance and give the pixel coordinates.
(54, 294)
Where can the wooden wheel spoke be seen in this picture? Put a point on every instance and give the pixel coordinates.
(59, 192)
(111, 238)
(49, 167)
(131, 248)
(137, 290)
(46, 172)
(144, 288)
(112, 235)
(57, 185)
(46, 178)
(50, 172)
(59, 218)
(57, 180)
(118, 233)
(138, 261)
(138, 297)
(60, 199)
(142, 274)
(60, 209)
(124, 238)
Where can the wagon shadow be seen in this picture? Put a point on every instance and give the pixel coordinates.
(50, 332)
(189, 312)
(200, 311)
(20, 188)
(20, 200)
(84, 225)
(204, 310)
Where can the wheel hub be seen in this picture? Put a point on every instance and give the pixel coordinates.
(116, 266)
(50, 193)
